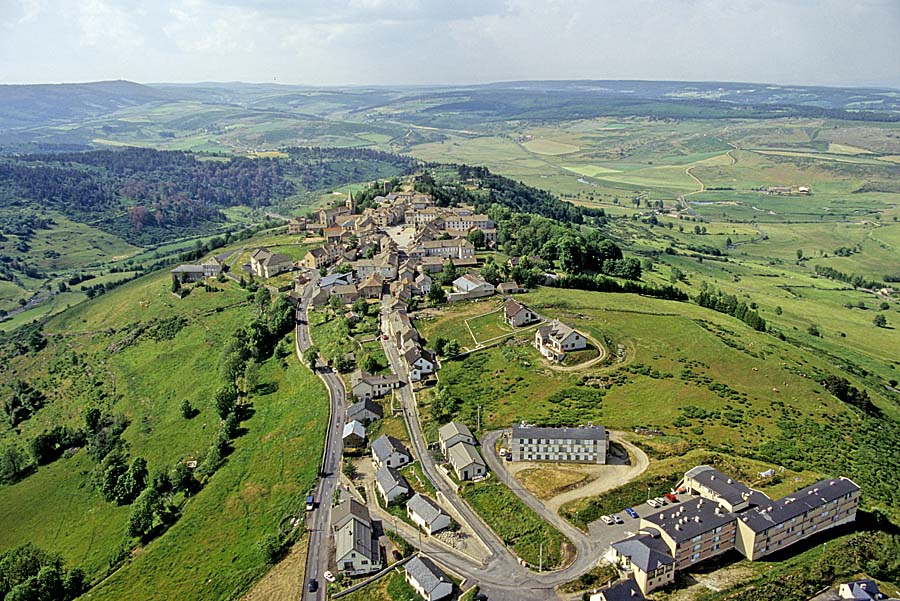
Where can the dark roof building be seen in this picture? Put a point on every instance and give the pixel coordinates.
(712, 484)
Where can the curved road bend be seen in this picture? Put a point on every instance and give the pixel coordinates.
(501, 577)
(319, 520)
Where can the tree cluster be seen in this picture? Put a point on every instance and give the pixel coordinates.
(600, 283)
(21, 401)
(716, 300)
(855, 280)
(28, 573)
(841, 388)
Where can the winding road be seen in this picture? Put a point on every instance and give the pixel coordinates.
(500, 576)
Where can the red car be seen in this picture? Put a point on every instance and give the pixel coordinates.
(671, 498)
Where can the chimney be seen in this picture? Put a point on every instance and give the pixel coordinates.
(729, 480)
(697, 518)
(712, 476)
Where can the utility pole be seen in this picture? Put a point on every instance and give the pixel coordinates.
(541, 560)
(478, 419)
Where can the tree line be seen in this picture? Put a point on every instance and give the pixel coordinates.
(714, 299)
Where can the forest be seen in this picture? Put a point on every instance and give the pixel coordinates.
(148, 196)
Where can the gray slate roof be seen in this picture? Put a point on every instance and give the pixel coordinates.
(644, 551)
(450, 430)
(581, 433)
(348, 510)
(335, 279)
(357, 409)
(353, 530)
(463, 454)
(690, 518)
(354, 427)
(813, 496)
(426, 573)
(389, 478)
(384, 445)
(626, 590)
(424, 508)
(189, 269)
(729, 489)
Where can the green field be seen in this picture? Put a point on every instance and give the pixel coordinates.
(516, 524)
(210, 552)
(682, 189)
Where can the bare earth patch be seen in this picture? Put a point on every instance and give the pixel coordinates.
(284, 582)
(702, 584)
(548, 481)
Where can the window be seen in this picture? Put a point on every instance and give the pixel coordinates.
(716, 547)
(697, 547)
(717, 530)
(695, 557)
(696, 538)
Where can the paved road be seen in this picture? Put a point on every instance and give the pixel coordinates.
(319, 520)
(500, 577)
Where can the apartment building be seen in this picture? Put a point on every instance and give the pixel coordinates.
(694, 531)
(712, 484)
(645, 557)
(584, 444)
(774, 525)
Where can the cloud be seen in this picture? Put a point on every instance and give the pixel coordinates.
(103, 23)
(829, 42)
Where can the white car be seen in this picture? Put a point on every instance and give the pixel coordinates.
(328, 576)
(607, 520)
(653, 503)
(617, 519)
(661, 500)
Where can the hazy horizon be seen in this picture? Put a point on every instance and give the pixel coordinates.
(420, 42)
(430, 85)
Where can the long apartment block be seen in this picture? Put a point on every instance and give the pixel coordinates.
(725, 515)
(584, 444)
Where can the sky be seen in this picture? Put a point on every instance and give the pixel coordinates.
(392, 42)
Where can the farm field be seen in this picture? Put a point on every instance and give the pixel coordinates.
(693, 197)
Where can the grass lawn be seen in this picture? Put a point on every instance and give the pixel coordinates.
(417, 480)
(210, 552)
(488, 326)
(515, 523)
(391, 587)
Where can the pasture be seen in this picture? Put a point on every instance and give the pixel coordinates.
(210, 552)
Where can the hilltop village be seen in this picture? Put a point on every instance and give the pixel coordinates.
(395, 487)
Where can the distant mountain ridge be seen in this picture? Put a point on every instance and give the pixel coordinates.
(23, 106)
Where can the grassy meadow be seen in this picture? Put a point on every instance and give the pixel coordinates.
(210, 552)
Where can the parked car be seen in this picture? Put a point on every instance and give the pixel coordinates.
(313, 586)
(328, 576)
(617, 519)
(661, 501)
(397, 556)
(509, 456)
(653, 503)
(607, 520)
(631, 513)
(672, 498)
